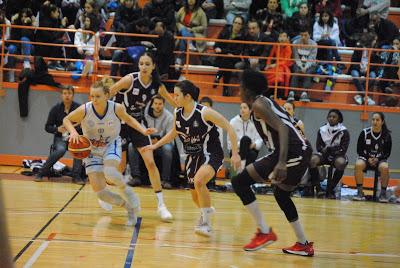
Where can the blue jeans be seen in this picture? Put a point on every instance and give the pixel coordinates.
(25, 50)
(360, 84)
(185, 33)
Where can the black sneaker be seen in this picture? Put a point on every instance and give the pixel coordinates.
(134, 182)
(79, 181)
(38, 178)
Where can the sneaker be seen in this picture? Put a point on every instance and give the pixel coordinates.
(134, 182)
(104, 205)
(290, 96)
(304, 97)
(261, 240)
(300, 249)
(359, 197)
(79, 181)
(178, 64)
(27, 65)
(216, 80)
(383, 199)
(328, 86)
(203, 229)
(358, 99)
(132, 218)
(164, 214)
(88, 68)
(38, 178)
(369, 101)
(192, 47)
(167, 185)
(56, 66)
(200, 220)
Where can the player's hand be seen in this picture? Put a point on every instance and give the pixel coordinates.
(151, 147)
(149, 131)
(280, 171)
(74, 137)
(235, 161)
(61, 129)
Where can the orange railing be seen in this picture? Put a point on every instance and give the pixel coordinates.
(186, 70)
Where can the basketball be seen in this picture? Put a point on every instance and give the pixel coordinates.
(80, 150)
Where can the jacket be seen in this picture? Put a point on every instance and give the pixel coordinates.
(245, 128)
(198, 24)
(163, 123)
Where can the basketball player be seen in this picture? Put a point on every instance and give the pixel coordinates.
(196, 126)
(374, 146)
(100, 122)
(285, 166)
(135, 91)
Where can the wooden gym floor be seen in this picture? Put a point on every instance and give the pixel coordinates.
(54, 224)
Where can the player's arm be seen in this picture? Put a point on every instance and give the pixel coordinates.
(130, 121)
(123, 83)
(263, 110)
(75, 116)
(170, 136)
(165, 94)
(220, 121)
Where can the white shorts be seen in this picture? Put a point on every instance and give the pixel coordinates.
(95, 161)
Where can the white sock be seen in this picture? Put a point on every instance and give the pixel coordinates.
(160, 199)
(298, 229)
(258, 217)
(206, 214)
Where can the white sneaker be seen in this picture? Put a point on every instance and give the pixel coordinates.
(27, 65)
(200, 220)
(370, 101)
(164, 214)
(358, 99)
(192, 47)
(203, 229)
(104, 205)
(290, 96)
(304, 97)
(132, 218)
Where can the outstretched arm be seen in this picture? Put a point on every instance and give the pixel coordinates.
(76, 116)
(132, 122)
(164, 140)
(123, 83)
(165, 94)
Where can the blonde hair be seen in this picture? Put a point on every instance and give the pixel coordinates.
(105, 83)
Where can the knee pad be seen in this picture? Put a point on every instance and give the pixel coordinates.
(286, 204)
(241, 185)
(114, 176)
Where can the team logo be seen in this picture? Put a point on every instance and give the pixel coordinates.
(152, 91)
(178, 124)
(195, 123)
(376, 147)
(135, 91)
(90, 123)
(110, 123)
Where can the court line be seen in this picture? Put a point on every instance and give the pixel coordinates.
(132, 245)
(39, 251)
(186, 256)
(46, 225)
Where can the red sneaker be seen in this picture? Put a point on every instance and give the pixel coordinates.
(260, 240)
(300, 249)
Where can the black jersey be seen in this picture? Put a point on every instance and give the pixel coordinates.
(137, 96)
(374, 145)
(270, 136)
(197, 135)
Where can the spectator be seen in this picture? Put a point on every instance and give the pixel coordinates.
(257, 6)
(374, 146)
(371, 6)
(289, 7)
(270, 17)
(332, 5)
(359, 69)
(255, 34)
(90, 7)
(214, 9)
(165, 44)
(304, 57)
(14, 6)
(70, 8)
(127, 12)
(384, 28)
(236, 8)
(54, 125)
(279, 71)
(249, 141)
(4, 36)
(161, 10)
(393, 59)
(298, 124)
(230, 32)
(191, 21)
(300, 20)
(332, 143)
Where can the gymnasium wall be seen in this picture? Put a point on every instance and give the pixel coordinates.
(26, 136)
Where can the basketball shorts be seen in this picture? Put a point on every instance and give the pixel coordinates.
(369, 167)
(95, 161)
(327, 159)
(297, 165)
(130, 135)
(195, 161)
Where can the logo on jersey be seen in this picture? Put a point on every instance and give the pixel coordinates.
(152, 91)
(90, 123)
(135, 91)
(178, 124)
(376, 147)
(195, 123)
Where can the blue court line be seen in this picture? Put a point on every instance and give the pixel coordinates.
(132, 245)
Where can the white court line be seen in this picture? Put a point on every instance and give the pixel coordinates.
(39, 251)
(186, 256)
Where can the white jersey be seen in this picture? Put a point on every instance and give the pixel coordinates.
(101, 130)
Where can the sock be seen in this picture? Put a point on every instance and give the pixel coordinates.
(160, 199)
(359, 188)
(258, 217)
(298, 230)
(206, 214)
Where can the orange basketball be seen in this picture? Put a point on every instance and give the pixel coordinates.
(81, 149)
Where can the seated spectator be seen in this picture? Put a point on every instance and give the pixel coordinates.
(249, 141)
(161, 10)
(13, 7)
(54, 125)
(236, 8)
(374, 146)
(386, 30)
(360, 58)
(191, 21)
(279, 71)
(332, 5)
(230, 32)
(332, 143)
(304, 58)
(165, 44)
(289, 7)
(290, 109)
(91, 7)
(390, 72)
(69, 9)
(270, 17)
(126, 13)
(300, 20)
(214, 9)
(254, 34)
(371, 6)
(257, 6)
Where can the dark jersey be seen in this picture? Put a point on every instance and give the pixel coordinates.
(137, 96)
(197, 135)
(374, 145)
(270, 136)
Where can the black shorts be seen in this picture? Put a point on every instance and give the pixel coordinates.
(297, 165)
(129, 134)
(369, 167)
(327, 159)
(195, 161)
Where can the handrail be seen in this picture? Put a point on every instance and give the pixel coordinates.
(97, 47)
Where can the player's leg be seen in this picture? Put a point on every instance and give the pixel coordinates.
(314, 173)
(383, 168)
(359, 168)
(340, 164)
